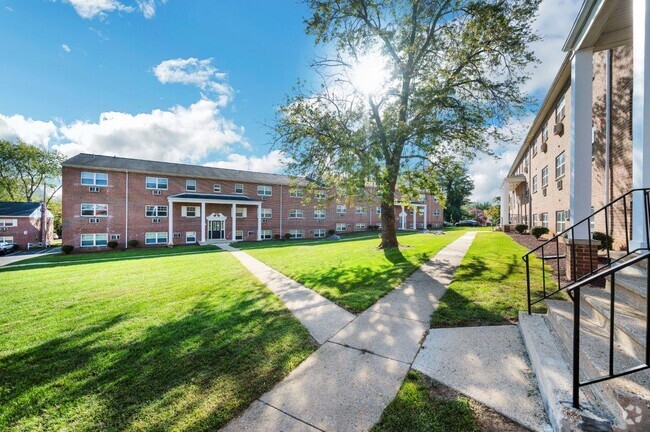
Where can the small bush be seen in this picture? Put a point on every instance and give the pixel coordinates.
(66, 249)
(276, 236)
(287, 236)
(112, 244)
(521, 228)
(539, 231)
(606, 241)
(133, 243)
(331, 232)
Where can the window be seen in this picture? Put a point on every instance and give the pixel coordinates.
(435, 199)
(94, 179)
(152, 238)
(7, 239)
(545, 133)
(341, 209)
(321, 195)
(190, 185)
(545, 176)
(535, 147)
(296, 193)
(241, 212)
(267, 213)
(559, 165)
(94, 210)
(534, 184)
(190, 237)
(190, 211)
(544, 219)
(239, 188)
(155, 211)
(559, 110)
(436, 212)
(360, 226)
(4, 223)
(267, 234)
(216, 188)
(378, 210)
(423, 198)
(156, 183)
(239, 234)
(319, 214)
(535, 220)
(318, 233)
(360, 210)
(94, 240)
(341, 227)
(560, 221)
(295, 234)
(296, 214)
(264, 190)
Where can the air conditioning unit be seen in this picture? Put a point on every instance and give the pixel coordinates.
(264, 197)
(156, 192)
(526, 169)
(3, 228)
(265, 220)
(155, 220)
(544, 191)
(544, 147)
(558, 183)
(311, 231)
(93, 220)
(93, 189)
(558, 129)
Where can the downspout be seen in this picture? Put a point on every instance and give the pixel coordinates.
(126, 220)
(608, 123)
(530, 184)
(281, 200)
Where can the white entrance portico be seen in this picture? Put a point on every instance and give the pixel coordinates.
(416, 208)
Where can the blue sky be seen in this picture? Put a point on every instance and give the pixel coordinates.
(182, 81)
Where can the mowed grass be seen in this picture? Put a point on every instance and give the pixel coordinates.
(181, 342)
(489, 287)
(354, 273)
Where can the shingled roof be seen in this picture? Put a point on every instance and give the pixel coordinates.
(17, 209)
(114, 163)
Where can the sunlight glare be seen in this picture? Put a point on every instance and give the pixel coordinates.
(370, 74)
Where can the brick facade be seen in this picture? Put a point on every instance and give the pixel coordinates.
(24, 229)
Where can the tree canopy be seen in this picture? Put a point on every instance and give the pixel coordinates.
(457, 185)
(405, 83)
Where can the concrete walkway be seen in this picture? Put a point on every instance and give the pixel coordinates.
(346, 384)
(20, 256)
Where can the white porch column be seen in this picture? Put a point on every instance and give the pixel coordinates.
(425, 216)
(641, 117)
(233, 215)
(504, 204)
(402, 217)
(259, 222)
(203, 216)
(581, 153)
(415, 217)
(170, 220)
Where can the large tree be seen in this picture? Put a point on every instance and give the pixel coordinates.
(25, 169)
(456, 184)
(405, 81)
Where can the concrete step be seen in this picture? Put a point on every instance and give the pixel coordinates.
(631, 287)
(619, 395)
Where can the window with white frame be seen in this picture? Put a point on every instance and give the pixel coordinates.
(94, 240)
(296, 193)
(296, 214)
(239, 234)
(320, 232)
(263, 190)
(190, 237)
(436, 212)
(190, 185)
(319, 214)
(267, 213)
(360, 210)
(267, 234)
(94, 179)
(435, 199)
(239, 188)
(545, 132)
(559, 166)
(241, 212)
(7, 223)
(155, 211)
(360, 226)
(295, 234)
(6, 239)
(559, 110)
(157, 183)
(320, 194)
(190, 211)
(152, 238)
(216, 188)
(341, 209)
(534, 184)
(94, 210)
(535, 147)
(341, 227)
(543, 218)
(560, 221)
(423, 198)
(535, 220)
(545, 176)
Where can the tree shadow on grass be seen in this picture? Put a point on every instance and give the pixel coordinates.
(193, 373)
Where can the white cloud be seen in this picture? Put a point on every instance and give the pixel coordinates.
(200, 73)
(35, 132)
(148, 7)
(8, 9)
(270, 163)
(89, 9)
(66, 48)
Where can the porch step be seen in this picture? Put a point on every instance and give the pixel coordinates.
(631, 287)
(622, 396)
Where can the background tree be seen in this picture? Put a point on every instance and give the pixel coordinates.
(494, 213)
(456, 184)
(408, 81)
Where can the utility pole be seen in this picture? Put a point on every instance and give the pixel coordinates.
(44, 217)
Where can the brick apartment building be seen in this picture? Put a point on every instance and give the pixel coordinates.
(20, 223)
(159, 203)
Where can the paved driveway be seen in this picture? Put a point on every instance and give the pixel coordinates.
(23, 255)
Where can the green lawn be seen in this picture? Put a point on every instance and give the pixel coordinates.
(180, 342)
(352, 272)
(490, 285)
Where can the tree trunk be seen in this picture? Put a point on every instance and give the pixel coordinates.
(389, 231)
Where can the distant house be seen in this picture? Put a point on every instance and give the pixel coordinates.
(20, 223)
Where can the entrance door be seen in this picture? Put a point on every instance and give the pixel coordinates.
(216, 230)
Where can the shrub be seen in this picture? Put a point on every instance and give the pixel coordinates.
(521, 228)
(112, 244)
(287, 236)
(539, 231)
(66, 249)
(276, 236)
(133, 243)
(331, 232)
(606, 241)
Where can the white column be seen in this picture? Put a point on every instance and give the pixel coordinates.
(641, 118)
(233, 215)
(581, 153)
(415, 217)
(259, 222)
(203, 216)
(402, 217)
(504, 204)
(170, 220)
